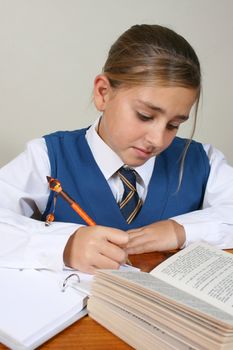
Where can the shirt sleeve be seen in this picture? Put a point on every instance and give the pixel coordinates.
(25, 241)
(214, 222)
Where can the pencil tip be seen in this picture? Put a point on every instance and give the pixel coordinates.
(48, 178)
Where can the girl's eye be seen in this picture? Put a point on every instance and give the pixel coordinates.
(172, 126)
(144, 117)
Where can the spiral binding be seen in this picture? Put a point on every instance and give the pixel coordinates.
(66, 283)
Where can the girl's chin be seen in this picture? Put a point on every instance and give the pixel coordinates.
(135, 161)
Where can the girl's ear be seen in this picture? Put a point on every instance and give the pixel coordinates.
(102, 91)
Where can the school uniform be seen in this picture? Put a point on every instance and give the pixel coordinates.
(70, 150)
(87, 168)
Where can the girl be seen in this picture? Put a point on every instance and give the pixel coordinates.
(146, 189)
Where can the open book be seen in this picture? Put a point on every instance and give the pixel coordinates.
(184, 303)
(37, 304)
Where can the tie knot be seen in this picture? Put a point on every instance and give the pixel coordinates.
(128, 177)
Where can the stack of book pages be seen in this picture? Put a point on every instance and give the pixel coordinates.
(184, 303)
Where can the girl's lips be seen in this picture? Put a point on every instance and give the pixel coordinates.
(143, 153)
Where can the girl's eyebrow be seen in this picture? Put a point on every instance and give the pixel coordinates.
(161, 110)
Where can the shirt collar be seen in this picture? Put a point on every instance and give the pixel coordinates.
(108, 161)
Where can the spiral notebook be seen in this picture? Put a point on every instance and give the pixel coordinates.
(37, 304)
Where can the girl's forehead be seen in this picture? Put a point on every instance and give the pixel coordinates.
(170, 99)
(155, 90)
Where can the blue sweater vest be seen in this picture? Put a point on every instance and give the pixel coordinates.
(72, 163)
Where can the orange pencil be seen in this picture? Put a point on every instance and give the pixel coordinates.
(55, 186)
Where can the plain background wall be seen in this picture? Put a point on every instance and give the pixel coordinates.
(51, 51)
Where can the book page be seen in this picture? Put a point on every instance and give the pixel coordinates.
(203, 271)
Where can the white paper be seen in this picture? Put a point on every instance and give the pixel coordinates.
(33, 307)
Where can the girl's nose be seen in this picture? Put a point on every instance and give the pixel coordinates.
(156, 137)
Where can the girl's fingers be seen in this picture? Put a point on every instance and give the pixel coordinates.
(113, 252)
(104, 262)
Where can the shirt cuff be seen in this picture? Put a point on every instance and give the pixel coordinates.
(39, 250)
(214, 233)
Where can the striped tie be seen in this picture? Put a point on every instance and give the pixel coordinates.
(130, 203)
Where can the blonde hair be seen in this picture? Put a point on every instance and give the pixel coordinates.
(153, 54)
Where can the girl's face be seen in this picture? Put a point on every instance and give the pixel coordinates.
(140, 122)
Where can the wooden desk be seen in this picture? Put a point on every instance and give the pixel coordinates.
(88, 334)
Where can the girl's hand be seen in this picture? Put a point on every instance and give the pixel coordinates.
(160, 236)
(95, 247)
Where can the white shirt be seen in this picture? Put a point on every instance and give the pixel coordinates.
(27, 243)
(111, 162)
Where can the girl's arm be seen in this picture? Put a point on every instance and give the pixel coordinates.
(213, 223)
(28, 243)
(24, 192)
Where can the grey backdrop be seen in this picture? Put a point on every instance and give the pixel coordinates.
(51, 51)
